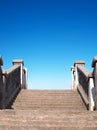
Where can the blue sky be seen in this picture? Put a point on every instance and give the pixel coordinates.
(49, 35)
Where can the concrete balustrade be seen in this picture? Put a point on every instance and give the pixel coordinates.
(94, 65)
(12, 81)
(83, 81)
(23, 72)
(91, 92)
(1, 84)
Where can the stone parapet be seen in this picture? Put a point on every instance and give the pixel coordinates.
(82, 80)
(79, 62)
(11, 82)
(94, 61)
(19, 62)
(94, 65)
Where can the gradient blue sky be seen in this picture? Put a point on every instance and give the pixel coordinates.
(49, 35)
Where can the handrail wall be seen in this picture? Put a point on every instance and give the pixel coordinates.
(11, 82)
(83, 81)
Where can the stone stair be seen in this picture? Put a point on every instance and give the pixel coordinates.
(48, 99)
(48, 110)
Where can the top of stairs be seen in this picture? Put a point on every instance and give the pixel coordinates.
(49, 99)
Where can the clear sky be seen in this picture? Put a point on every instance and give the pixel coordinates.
(49, 35)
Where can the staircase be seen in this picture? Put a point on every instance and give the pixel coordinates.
(48, 100)
(48, 110)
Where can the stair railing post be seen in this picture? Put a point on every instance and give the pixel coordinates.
(1, 85)
(25, 78)
(73, 77)
(76, 64)
(21, 63)
(94, 65)
(91, 93)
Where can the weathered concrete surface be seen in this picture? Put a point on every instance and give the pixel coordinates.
(11, 82)
(48, 119)
(48, 110)
(11, 85)
(48, 99)
(94, 64)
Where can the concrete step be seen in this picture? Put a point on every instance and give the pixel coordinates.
(48, 99)
(48, 110)
(46, 107)
(50, 105)
(48, 92)
(10, 127)
(48, 120)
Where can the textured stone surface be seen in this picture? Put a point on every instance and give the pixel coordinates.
(94, 61)
(48, 110)
(12, 85)
(83, 75)
(48, 99)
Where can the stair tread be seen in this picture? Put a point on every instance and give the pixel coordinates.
(45, 119)
(48, 99)
(48, 110)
